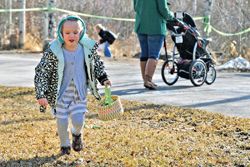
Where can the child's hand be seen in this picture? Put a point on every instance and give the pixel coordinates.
(107, 83)
(43, 102)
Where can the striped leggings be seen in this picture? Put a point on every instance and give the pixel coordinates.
(71, 106)
(77, 121)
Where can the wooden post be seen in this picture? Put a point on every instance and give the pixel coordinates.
(49, 24)
(22, 24)
(10, 18)
(194, 7)
(207, 16)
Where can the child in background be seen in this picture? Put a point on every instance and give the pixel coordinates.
(107, 39)
(67, 68)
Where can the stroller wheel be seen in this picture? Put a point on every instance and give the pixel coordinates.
(198, 72)
(211, 74)
(169, 72)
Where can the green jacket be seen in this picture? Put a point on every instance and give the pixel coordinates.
(151, 16)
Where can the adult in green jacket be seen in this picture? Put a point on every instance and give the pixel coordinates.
(150, 26)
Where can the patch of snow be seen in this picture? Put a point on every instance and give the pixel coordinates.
(239, 63)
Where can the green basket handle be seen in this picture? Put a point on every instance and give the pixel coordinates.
(108, 100)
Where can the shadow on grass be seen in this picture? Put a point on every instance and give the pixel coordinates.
(141, 107)
(25, 120)
(91, 115)
(54, 160)
(36, 161)
(10, 94)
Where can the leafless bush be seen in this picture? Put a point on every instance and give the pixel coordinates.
(227, 16)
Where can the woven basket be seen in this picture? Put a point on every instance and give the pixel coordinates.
(111, 107)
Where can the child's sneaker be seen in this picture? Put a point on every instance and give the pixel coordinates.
(77, 142)
(65, 150)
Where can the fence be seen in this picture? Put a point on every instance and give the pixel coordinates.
(39, 33)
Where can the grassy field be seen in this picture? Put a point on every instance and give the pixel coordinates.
(147, 135)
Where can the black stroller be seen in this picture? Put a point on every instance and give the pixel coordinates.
(192, 59)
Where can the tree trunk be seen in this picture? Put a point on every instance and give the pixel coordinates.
(194, 7)
(207, 16)
(22, 23)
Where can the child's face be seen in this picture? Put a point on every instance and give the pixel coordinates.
(71, 33)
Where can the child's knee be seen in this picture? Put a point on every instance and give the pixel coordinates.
(78, 120)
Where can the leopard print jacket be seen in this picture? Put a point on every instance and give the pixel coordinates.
(47, 75)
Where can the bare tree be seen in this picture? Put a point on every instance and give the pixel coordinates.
(226, 16)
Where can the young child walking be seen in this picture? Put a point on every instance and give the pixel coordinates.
(107, 38)
(68, 67)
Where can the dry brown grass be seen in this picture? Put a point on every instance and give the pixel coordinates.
(33, 43)
(147, 135)
(126, 48)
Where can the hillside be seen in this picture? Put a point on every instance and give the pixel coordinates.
(147, 135)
